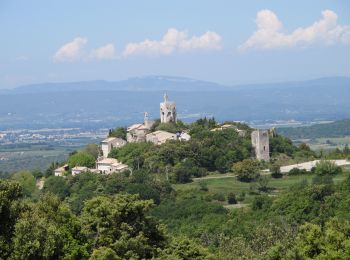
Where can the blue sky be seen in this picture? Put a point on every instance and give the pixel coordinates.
(225, 41)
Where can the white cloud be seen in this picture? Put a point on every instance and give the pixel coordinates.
(106, 52)
(270, 35)
(172, 41)
(71, 51)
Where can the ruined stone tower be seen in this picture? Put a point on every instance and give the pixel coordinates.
(167, 111)
(260, 143)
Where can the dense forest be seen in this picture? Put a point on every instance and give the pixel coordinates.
(168, 209)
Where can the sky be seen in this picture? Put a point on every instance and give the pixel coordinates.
(224, 41)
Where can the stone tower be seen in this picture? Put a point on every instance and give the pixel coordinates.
(146, 121)
(167, 111)
(260, 143)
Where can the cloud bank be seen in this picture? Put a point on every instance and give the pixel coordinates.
(71, 51)
(75, 51)
(106, 52)
(270, 35)
(174, 41)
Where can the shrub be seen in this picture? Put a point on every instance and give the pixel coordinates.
(231, 198)
(247, 170)
(219, 196)
(203, 186)
(325, 167)
(296, 171)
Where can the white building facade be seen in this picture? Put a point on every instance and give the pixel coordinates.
(112, 142)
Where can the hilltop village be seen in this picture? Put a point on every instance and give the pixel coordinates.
(143, 132)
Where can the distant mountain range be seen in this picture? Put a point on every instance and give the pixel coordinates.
(149, 83)
(167, 83)
(108, 104)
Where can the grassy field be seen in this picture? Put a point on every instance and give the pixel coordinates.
(325, 143)
(39, 157)
(227, 183)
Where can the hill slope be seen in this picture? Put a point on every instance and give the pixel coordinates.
(336, 129)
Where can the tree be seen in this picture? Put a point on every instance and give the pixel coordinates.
(184, 248)
(326, 167)
(314, 242)
(119, 132)
(26, 180)
(121, 223)
(263, 182)
(182, 174)
(81, 159)
(93, 150)
(275, 170)
(231, 198)
(56, 185)
(48, 230)
(104, 253)
(246, 170)
(10, 209)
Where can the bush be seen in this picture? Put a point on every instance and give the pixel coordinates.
(241, 196)
(261, 202)
(81, 159)
(219, 196)
(275, 170)
(325, 167)
(247, 170)
(203, 186)
(231, 198)
(296, 171)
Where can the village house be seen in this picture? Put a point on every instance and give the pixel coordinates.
(79, 169)
(112, 142)
(61, 171)
(138, 132)
(229, 126)
(110, 165)
(160, 137)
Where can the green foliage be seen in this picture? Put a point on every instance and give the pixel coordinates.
(263, 183)
(246, 170)
(50, 170)
(261, 202)
(81, 159)
(104, 253)
(184, 248)
(316, 242)
(10, 210)
(231, 198)
(297, 171)
(203, 186)
(119, 132)
(275, 169)
(121, 223)
(48, 230)
(218, 196)
(191, 216)
(92, 149)
(27, 182)
(56, 185)
(132, 154)
(326, 167)
(171, 127)
(281, 144)
(335, 129)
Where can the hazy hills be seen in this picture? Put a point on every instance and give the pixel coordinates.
(339, 128)
(107, 104)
